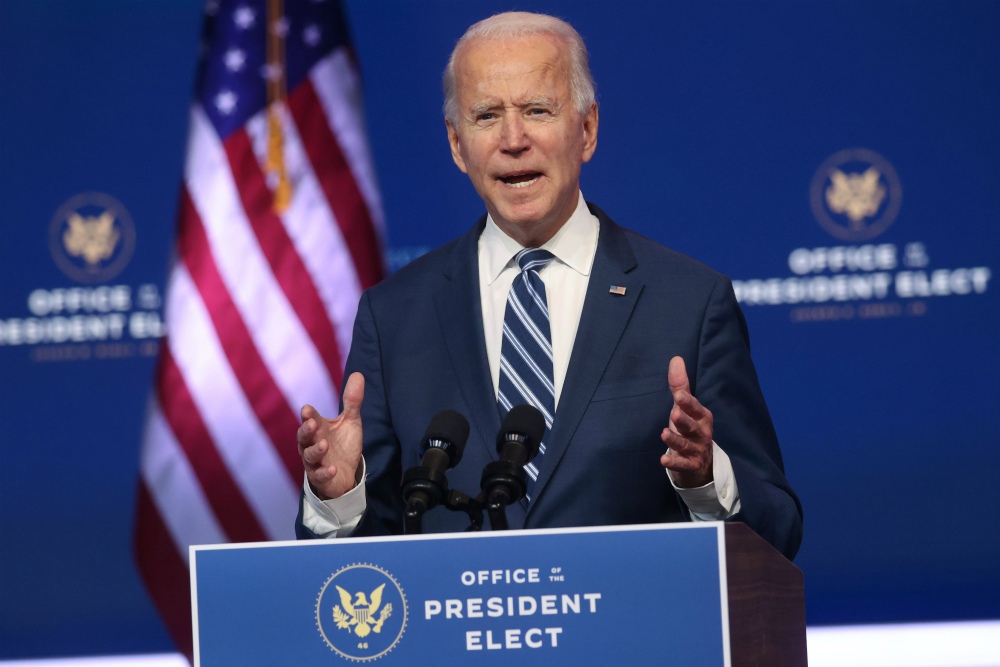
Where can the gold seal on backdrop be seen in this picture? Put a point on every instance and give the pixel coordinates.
(855, 194)
(91, 237)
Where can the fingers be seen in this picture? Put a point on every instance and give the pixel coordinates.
(354, 394)
(320, 471)
(323, 482)
(689, 462)
(307, 431)
(688, 416)
(695, 424)
(322, 476)
(680, 387)
(672, 461)
(313, 421)
(688, 437)
(681, 445)
(331, 449)
(677, 376)
(312, 455)
(686, 404)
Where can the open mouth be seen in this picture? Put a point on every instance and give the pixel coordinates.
(521, 180)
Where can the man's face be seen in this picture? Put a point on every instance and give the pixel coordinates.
(518, 134)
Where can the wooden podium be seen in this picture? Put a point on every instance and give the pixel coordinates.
(675, 594)
(767, 613)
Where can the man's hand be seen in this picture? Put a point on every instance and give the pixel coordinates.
(689, 436)
(331, 450)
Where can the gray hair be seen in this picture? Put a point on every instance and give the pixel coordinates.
(512, 25)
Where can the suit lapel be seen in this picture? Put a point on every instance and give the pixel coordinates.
(602, 323)
(460, 316)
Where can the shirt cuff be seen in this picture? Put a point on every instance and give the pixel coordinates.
(717, 500)
(336, 517)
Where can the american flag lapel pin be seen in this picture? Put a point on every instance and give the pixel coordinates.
(617, 289)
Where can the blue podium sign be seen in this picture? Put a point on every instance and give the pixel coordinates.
(613, 595)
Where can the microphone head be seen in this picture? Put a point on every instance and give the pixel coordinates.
(525, 424)
(448, 431)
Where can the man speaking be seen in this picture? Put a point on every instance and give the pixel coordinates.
(637, 356)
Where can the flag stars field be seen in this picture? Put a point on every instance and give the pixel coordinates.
(235, 59)
(312, 35)
(225, 102)
(244, 17)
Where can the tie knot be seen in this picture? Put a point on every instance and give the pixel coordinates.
(533, 259)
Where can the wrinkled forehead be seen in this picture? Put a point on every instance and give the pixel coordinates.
(493, 65)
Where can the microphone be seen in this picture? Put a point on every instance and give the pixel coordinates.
(505, 481)
(425, 486)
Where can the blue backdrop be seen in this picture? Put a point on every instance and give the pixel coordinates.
(737, 132)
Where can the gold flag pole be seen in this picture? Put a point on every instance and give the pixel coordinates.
(276, 96)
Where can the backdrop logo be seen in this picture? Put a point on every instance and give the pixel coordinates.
(361, 612)
(855, 194)
(92, 237)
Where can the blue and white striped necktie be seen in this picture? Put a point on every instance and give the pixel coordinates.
(526, 353)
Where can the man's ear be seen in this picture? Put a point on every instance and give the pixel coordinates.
(590, 122)
(456, 150)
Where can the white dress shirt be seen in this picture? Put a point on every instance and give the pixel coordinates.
(566, 277)
(574, 247)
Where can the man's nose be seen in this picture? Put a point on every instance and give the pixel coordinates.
(512, 134)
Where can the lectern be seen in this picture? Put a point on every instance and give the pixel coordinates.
(692, 595)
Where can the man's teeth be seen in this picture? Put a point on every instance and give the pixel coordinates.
(523, 184)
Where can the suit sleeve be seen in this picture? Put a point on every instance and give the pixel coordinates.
(726, 382)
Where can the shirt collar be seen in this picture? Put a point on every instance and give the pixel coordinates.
(575, 244)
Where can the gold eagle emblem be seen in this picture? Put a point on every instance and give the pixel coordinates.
(360, 614)
(92, 238)
(858, 196)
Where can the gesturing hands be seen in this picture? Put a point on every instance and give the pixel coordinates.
(689, 435)
(331, 449)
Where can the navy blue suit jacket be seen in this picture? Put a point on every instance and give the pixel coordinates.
(418, 341)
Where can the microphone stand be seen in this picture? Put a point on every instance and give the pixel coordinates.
(455, 500)
(473, 507)
(413, 518)
(496, 507)
(423, 488)
(503, 482)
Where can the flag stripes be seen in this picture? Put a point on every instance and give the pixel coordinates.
(227, 503)
(284, 261)
(267, 401)
(270, 319)
(337, 181)
(163, 569)
(260, 303)
(169, 471)
(338, 87)
(251, 458)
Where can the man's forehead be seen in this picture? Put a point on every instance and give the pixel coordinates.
(514, 69)
(541, 52)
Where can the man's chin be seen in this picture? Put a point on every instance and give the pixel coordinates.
(527, 228)
(520, 217)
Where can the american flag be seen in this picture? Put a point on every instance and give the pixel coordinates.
(279, 231)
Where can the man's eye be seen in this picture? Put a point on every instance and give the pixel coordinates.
(538, 112)
(486, 116)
